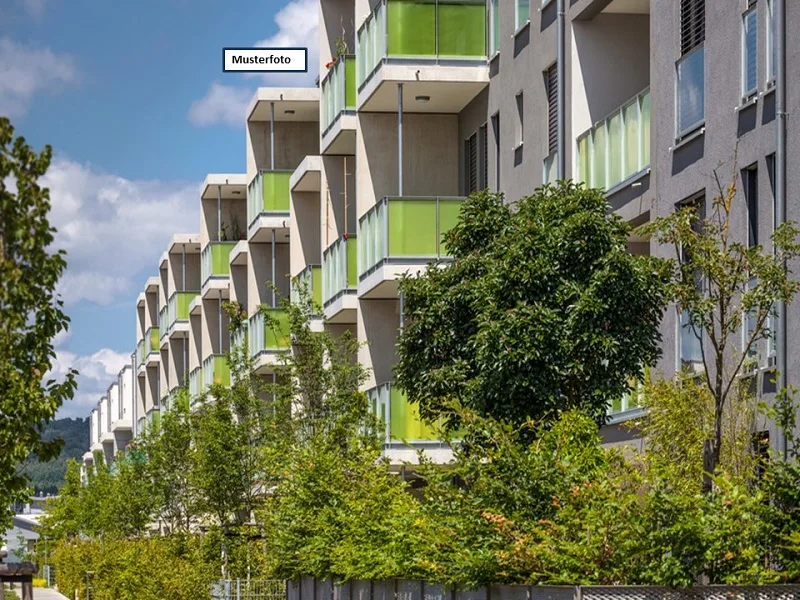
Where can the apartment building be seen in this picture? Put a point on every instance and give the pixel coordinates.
(352, 183)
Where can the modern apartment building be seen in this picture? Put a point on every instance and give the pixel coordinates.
(352, 183)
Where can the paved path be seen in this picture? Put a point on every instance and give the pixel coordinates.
(47, 594)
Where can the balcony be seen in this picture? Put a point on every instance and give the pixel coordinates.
(162, 323)
(215, 267)
(151, 346)
(309, 279)
(216, 371)
(267, 205)
(153, 419)
(239, 336)
(140, 426)
(404, 432)
(176, 317)
(340, 280)
(339, 107)
(195, 381)
(616, 150)
(401, 235)
(140, 354)
(437, 48)
(268, 339)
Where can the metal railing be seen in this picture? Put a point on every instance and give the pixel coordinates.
(268, 193)
(309, 279)
(252, 589)
(216, 370)
(436, 32)
(140, 353)
(617, 147)
(340, 269)
(195, 381)
(400, 418)
(215, 260)
(405, 230)
(338, 91)
(269, 338)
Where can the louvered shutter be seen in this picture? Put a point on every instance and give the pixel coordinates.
(693, 24)
(552, 108)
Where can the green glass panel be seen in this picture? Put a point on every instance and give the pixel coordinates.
(154, 337)
(599, 153)
(405, 421)
(630, 115)
(350, 82)
(462, 29)
(449, 209)
(276, 335)
(645, 129)
(412, 28)
(220, 257)
(276, 190)
(352, 261)
(316, 285)
(583, 159)
(222, 371)
(184, 299)
(412, 227)
(614, 150)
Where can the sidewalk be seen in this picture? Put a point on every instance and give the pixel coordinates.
(47, 594)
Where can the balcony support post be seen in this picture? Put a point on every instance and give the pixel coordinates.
(271, 138)
(219, 213)
(219, 317)
(272, 274)
(183, 269)
(399, 139)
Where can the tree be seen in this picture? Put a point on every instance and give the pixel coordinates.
(541, 309)
(724, 285)
(30, 316)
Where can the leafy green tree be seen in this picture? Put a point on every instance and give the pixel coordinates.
(31, 316)
(542, 309)
(721, 283)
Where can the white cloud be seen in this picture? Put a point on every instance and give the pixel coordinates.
(112, 227)
(26, 70)
(96, 373)
(222, 104)
(297, 28)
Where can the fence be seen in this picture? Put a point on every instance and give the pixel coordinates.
(404, 589)
(253, 589)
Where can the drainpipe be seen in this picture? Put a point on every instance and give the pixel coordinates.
(272, 136)
(183, 269)
(400, 138)
(562, 89)
(273, 269)
(780, 186)
(219, 317)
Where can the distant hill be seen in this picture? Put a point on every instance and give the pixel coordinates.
(48, 477)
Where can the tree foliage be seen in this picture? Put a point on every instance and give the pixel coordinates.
(541, 309)
(31, 316)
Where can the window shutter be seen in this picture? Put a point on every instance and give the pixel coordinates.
(471, 164)
(483, 134)
(693, 24)
(552, 108)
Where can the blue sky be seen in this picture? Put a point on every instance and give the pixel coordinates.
(132, 98)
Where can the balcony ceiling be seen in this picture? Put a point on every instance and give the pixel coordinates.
(631, 7)
(445, 96)
(291, 104)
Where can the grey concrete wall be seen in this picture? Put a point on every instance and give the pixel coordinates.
(378, 322)
(293, 142)
(305, 231)
(338, 197)
(176, 283)
(165, 289)
(474, 115)
(336, 19)
(151, 309)
(178, 362)
(260, 273)
(232, 210)
(238, 287)
(216, 336)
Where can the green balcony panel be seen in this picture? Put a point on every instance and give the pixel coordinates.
(316, 284)
(277, 335)
(350, 82)
(405, 422)
(276, 190)
(462, 29)
(222, 371)
(411, 26)
(220, 257)
(182, 302)
(449, 210)
(352, 261)
(412, 227)
(154, 337)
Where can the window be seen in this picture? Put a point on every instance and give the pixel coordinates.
(523, 12)
(494, 27)
(471, 164)
(750, 184)
(749, 53)
(771, 175)
(690, 68)
(772, 56)
(520, 127)
(690, 354)
(483, 157)
(496, 132)
(750, 322)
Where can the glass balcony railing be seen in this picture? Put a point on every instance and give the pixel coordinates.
(338, 90)
(140, 353)
(405, 230)
(195, 381)
(339, 268)
(309, 278)
(175, 396)
(178, 309)
(215, 260)
(151, 339)
(216, 370)
(268, 194)
(238, 336)
(618, 147)
(423, 30)
(269, 337)
(153, 419)
(163, 326)
(400, 418)
(140, 426)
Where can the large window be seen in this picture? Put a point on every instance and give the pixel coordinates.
(690, 68)
(750, 184)
(690, 336)
(494, 27)
(519, 128)
(749, 53)
(523, 12)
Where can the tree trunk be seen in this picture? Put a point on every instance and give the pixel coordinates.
(710, 459)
